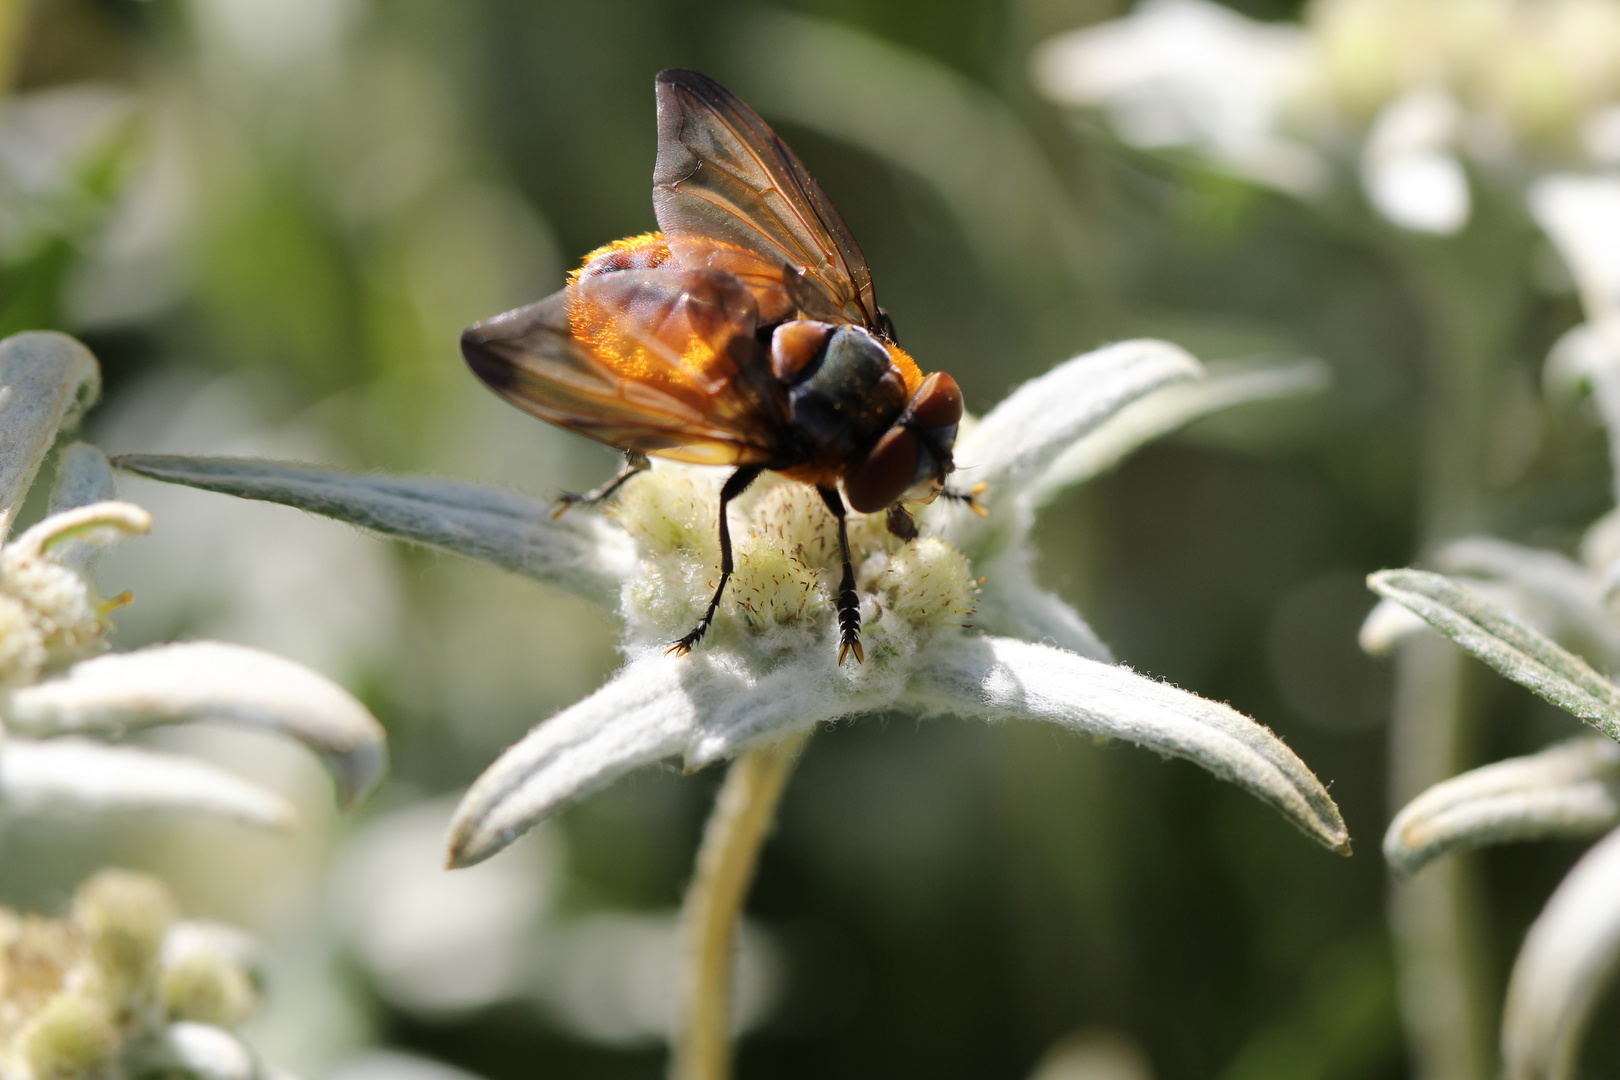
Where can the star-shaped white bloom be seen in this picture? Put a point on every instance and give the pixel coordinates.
(60, 690)
(768, 669)
(1512, 606)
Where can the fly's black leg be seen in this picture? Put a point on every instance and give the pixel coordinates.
(970, 497)
(849, 604)
(900, 523)
(634, 462)
(736, 484)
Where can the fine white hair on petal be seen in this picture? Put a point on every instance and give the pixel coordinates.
(1021, 437)
(579, 552)
(75, 776)
(705, 706)
(46, 381)
(206, 680)
(1562, 969)
(1571, 789)
(1000, 678)
(1407, 168)
(1581, 215)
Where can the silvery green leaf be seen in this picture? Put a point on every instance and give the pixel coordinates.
(1003, 679)
(75, 776)
(1507, 644)
(579, 552)
(46, 381)
(1011, 604)
(206, 680)
(1563, 968)
(1554, 592)
(195, 1051)
(1037, 423)
(704, 706)
(1173, 407)
(1568, 790)
(1386, 626)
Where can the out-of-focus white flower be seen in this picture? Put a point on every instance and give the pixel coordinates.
(1194, 75)
(769, 667)
(1411, 88)
(54, 687)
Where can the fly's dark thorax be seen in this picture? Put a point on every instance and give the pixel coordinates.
(843, 391)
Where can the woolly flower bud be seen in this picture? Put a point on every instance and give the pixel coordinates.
(22, 646)
(124, 917)
(208, 987)
(772, 586)
(60, 605)
(671, 510)
(71, 1038)
(929, 583)
(795, 516)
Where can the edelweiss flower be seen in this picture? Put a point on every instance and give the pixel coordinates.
(767, 673)
(1505, 603)
(55, 679)
(122, 987)
(767, 670)
(1408, 87)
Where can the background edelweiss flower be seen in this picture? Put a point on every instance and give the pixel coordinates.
(1505, 603)
(121, 986)
(769, 671)
(55, 690)
(1409, 88)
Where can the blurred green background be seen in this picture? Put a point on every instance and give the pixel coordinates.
(272, 218)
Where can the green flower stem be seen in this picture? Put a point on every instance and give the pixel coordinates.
(1468, 290)
(743, 815)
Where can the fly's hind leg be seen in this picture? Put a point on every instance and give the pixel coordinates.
(849, 603)
(735, 485)
(634, 462)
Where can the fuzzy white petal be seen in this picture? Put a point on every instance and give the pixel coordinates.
(1563, 968)
(1166, 410)
(1553, 590)
(206, 680)
(46, 381)
(1513, 648)
(1581, 215)
(74, 776)
(1571, 789)
(1021, 437)
(94, 524)
(1407, 167)
(702, 706)
(999, 678)
(1386, 626)
(199, 1052)
(580, 552)
(1191, 73)
(83, 476)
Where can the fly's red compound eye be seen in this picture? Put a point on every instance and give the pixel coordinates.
(937, 402)
(887, 473)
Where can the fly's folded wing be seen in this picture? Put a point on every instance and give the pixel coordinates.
(731, 195)
(662, 362)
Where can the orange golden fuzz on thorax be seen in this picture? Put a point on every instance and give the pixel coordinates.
(909, 371)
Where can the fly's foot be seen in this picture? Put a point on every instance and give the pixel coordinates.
(564, 501)
(849, 626)
(684, 646)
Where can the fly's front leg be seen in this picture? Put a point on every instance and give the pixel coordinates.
(736, 484)
(849, 604)
(970, 498)
(634, 462)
